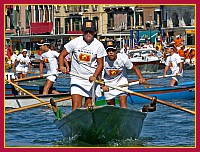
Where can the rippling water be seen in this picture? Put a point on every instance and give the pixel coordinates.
(164, 127)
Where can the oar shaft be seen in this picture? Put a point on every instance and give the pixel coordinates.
(138, 94)
(37, 77)
(153, 77)
(28, 78)
(36, 105)
(20, 88)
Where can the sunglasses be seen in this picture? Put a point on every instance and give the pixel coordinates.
(86, 32)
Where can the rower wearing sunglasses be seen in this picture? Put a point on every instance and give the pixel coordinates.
(114, 74)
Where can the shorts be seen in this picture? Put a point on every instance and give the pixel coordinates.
(22, 70)
(52, 78)
(114, 93)
(76, 89)
(177, 78)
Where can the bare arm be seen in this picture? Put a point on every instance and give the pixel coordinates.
(41, 67)
(165, 70)
(139, 74)
(14, 65)
(181, 67)
(66, 64)
(29, 66)
(98, 69)
(61, 57)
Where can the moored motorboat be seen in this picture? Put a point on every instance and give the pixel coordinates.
(147, 60)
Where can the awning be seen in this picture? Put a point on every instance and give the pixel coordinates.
(74, 32)
(41, 28)
(9, 6)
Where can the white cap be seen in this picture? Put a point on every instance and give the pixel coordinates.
(24, 50)
(186, 49)
(178, 36)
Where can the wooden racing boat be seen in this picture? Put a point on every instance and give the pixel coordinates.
(102, 123)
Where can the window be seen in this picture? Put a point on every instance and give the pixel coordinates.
(175, 19)
(57, 26)
(139, 18)
(67, 25)
(28, 16)
(36, 13)
(157, 17)
(110, 20)
(76, 22)
(129, 20)
(187, 18)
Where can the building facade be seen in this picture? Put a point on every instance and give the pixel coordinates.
(26, 24)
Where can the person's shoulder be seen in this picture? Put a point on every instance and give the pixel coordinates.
(79, 38)
(122, 56)
(20, 55)
(98, 43)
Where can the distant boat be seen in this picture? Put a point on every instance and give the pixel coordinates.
(147, 60)
(185, 91)
(18, 101)
(102, 124)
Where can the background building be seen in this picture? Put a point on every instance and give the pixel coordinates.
(27, 24)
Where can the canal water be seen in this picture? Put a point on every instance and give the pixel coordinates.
(166, 127)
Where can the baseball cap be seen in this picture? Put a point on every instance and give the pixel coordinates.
(43, 42)
(110, 44)
(88, 25)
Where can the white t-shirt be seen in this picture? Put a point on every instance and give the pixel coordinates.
(84, 59)
(50, 60)
(114, 70)
(13, 58)
(172, 62)
(115, 73)
(23, 61)
(84, 56)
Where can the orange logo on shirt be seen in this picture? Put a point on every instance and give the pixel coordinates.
(113, 72)
(84, 57)
(170, 64)
(45, 60)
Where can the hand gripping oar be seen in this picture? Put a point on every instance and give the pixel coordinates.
(56, 110)
(32, 95)
(137, 94)
(36, 77)
(36, 105)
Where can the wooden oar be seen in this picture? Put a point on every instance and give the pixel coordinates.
(36, 105)
(137, 94)
(37, 77)
(133, 82)
(20, 88)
